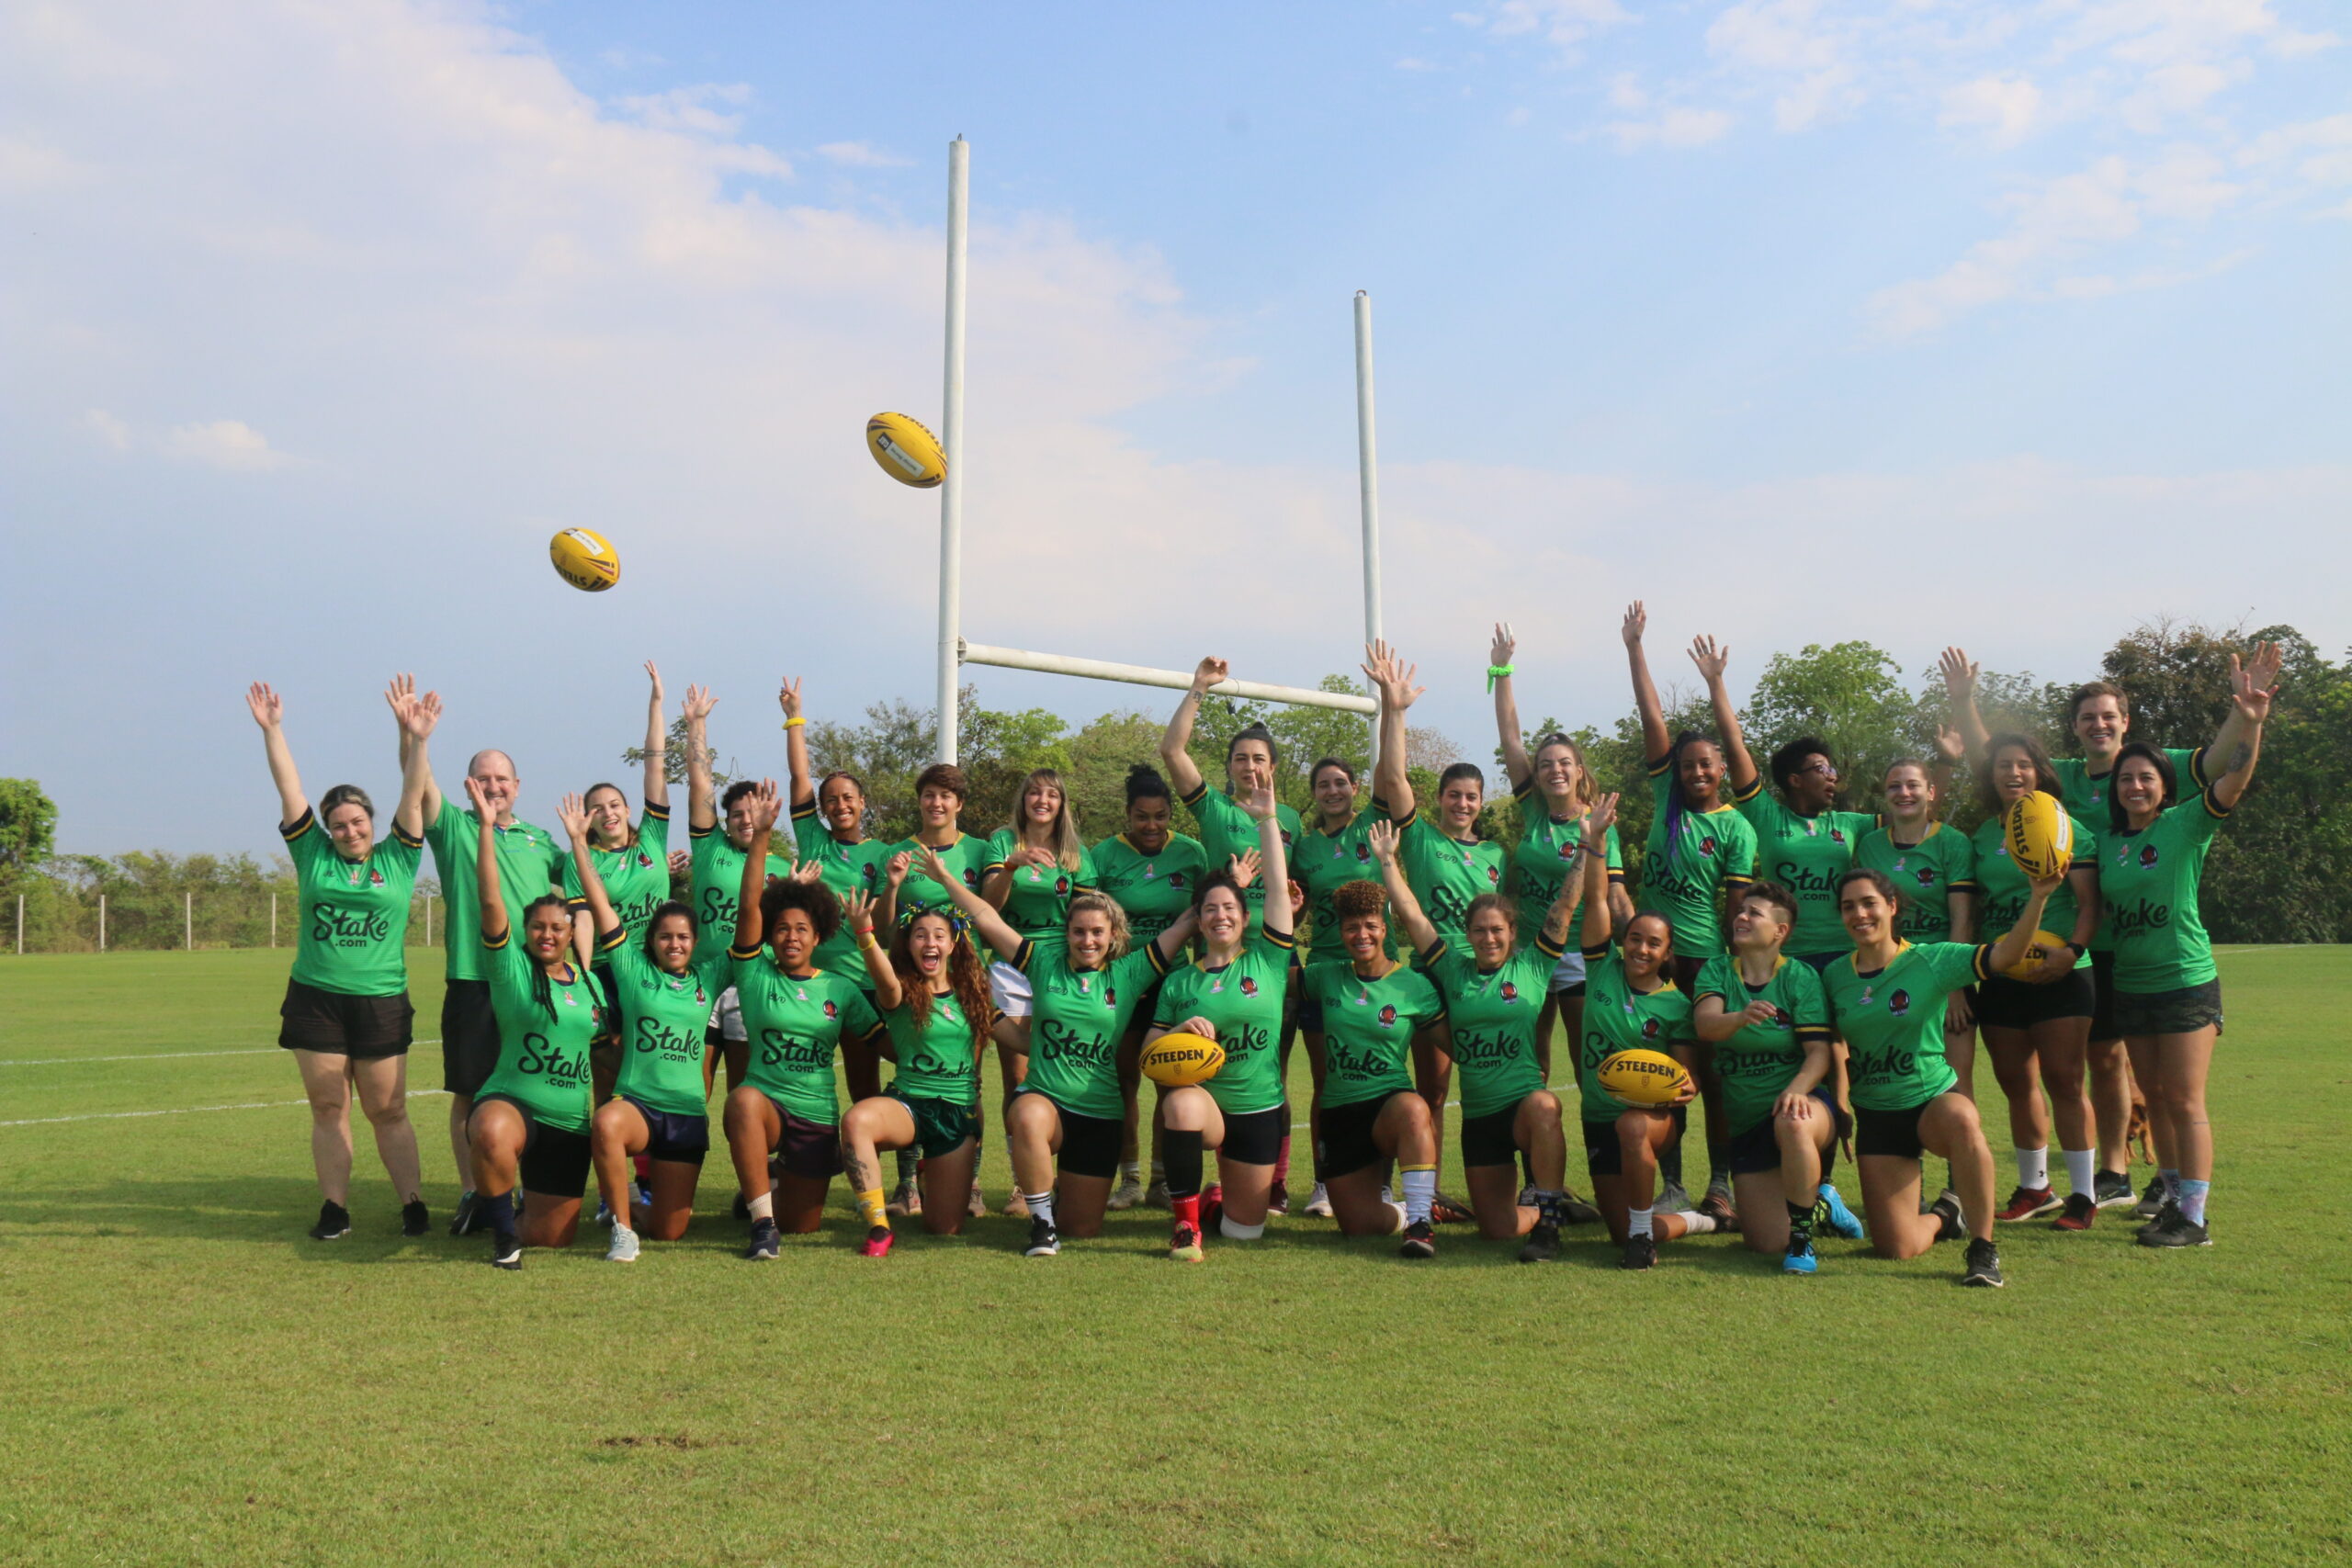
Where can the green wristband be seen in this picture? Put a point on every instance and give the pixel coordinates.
(1497, 672)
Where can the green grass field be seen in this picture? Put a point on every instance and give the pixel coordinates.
(188, 1379)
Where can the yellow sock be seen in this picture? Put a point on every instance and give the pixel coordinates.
(870, 1209)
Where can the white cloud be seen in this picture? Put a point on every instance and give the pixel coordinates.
(1565, 25)
(1674, 128)
(2005, 107)
(861, 155)
(27, 165)
(227, 444)
(111, 432)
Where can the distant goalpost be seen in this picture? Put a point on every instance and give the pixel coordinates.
(955, 652)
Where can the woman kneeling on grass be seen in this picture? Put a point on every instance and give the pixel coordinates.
(1772, 1054)
(1887, 999)
(933, 996)
(529, 1125)
(1083, 987)
(660, 996)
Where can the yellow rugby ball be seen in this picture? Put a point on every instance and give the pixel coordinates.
(2039, 835)
(1643, 1077)
(586, 559)
(907, 453)
(2036, 951)
(1175, 1060)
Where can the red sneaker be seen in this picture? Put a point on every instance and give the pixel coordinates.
(2081, 1210)
(2027, 1203)
(1184, 1244)
(877, 1242)
(1212, 1206)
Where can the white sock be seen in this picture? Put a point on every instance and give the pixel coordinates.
(1041, 1205)
(1236, 1230)
(2082, 1170)
(1420, 1191)
(764, 1206)
(2033, 1167)
(1697, 1224)
(1399, 1223)
(1637, 1223)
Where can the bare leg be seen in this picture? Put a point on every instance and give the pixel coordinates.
(618, 1131)
(383, 1098)
(326, 1084)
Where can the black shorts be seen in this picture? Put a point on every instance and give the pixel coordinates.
(1345, 1144)
(1091, 1145)
(555, 1159)
(675, 1136)
(1310, 1013)
(2184, 1011)
(1894, 1133)
(1487, 1140)
(2004, 1003)
(469, 1037)
(810, 1150)
(365, 1029)
(2103, 1004)
(1602, 1154)
(1757, 1149)
(1255, 1137)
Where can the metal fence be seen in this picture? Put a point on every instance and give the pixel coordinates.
(47, 918)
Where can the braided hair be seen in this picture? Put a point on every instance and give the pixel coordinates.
(542, 987)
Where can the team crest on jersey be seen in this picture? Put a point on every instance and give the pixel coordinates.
(1837, 835)
(1061, 885)
(1110, 996)
(2147, 856)
(1509, 992)
(1898, 1003)
(1494, 874)
(1248, 986)
(1649, 1029)
(643, 859)
(1926, 873)
(1707, 846)
(1363, 853)
(375, 876)
(699, 999)
(831, 1011)
(1389, 1018)
(1175, 879)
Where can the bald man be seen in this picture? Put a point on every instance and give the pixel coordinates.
(529, 864)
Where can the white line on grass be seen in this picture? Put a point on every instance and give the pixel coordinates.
(186, 1111)
(156, 1056)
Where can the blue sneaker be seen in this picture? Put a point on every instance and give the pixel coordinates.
(1836, 1217)
(1800, 1258)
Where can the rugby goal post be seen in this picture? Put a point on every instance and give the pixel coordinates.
(955, 652)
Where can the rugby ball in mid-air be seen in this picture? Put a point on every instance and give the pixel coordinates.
(1175, 1060)
(2040, 948)
(2039, 835)
(586, 559)
(1643, 1077)
(907, 453)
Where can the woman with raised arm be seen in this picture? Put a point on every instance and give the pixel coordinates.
(1332, 852)
(530, 1126)
(1234, 995)
(796, 1016)
(2167, 989)
(1151, 871)
(660, 994)
(1492, 996)
(633, 863)
(1085, 986)
(346, 1015)
(719, 830)
(1700, 851)
(2036, 1029)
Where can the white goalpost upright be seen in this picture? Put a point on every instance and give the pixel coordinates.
(955, 652)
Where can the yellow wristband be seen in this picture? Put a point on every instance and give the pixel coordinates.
(794, 720)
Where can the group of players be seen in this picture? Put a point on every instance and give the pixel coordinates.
(1822, 973)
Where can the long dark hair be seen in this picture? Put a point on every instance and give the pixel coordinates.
(2121, 820)
(964, 975)
(684, 912)
(1677, 806)
(2045, 777)
(628, 830)
(541, 987)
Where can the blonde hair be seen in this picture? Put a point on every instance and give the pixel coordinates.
(1108, 908)
(1068, 848)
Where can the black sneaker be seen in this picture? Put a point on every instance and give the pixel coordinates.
(506, 1251)
(414, 1219)
(1543, 1244)
(1984, 1266)
(1641, 1252)
(2167, 1215)
(1420, 1240)
(1574, 1211)
(1717, 1206)
(335, 1222)
(2182, 1232)
(2152, 1201)
(1044, 1240)
(2112, 1189)
(468, 1216)
(766, 1241)
(1947, 1211)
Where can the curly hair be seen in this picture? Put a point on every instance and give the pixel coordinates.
(966, 979)
(1350, 901)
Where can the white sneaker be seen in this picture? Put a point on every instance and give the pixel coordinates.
(1126, 1195)
(1319, 1202)
(624, 1246)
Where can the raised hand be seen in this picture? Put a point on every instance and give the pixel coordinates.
(808, 871)
(1258, 803)
(655, 676)
(1950, 746)
(858, 909)
(1959, 672)
(1713, 659)
(1637, 621)
(1244, 867)
(2255, 682)
(896, 871)
(481, 805)
(1505, 645)
(787, 698)
(698, 704)
(269, 707)
(572, 812)
(933, 866)
(1209, 672)
(1392, 675)
(767, 804)
(1599, 820)
(1381, 839)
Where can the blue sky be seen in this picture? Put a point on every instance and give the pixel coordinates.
(1801, 321)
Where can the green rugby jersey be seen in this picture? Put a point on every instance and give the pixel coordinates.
(352, 914)
(1619, 1017)
(938, 1056)
(663, 1018)
(717, 887)
(1545, 856)
(1490, 1017)
(1684, 878)
(1368, 1027)
(1037, 903)
(794, 1024)
(1155, 889)
(1893, 1020)
(636, 879)
(1760, 1062)
(1942, 862)
(1243, 1001)
(2085, 798)
(967, 857)
(1324, 862)
(2001, 886)
(529, 865)
(1227, 830)
(862, 867)
(2148, 879)
(1806, 855)
(1080, 1016)
(1445, 875)
(542, 1056)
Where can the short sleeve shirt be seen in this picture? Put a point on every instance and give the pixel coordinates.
(1368, 1027)
(1227, 830)
(793, 1025)
(967, 857)
(1491, 1018)
(1619, 1017)
(1686, 864)
(1446, 875)
(2085, 798)
(1893, 1020)
(1323, 862)
(636, 879)
(662, 1021)
(1806, 855)
(2003, 887)
(1078, 1018)
(1757, 1064)
(1545, 856)
(353, 913)
(937, 1048)
(1926, 874)
(861, 867)
(1243, 1003)
(2148, 879)
(1037, 904)
(542, 1054)
(718, 886)
(529, 865)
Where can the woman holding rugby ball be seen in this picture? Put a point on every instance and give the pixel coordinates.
(658, 997)
(346, 1015)
(2167, 991)
(1085, 986)
(1234, 995)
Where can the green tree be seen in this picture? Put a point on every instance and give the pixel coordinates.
(28, 825)
(1850, 695)
(675, 756)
